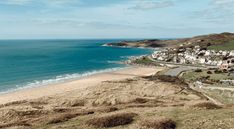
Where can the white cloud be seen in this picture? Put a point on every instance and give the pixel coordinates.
(15, 2)
(223, 2)
(146, 5)
(53, 3)
(60, 3)
(218, 12)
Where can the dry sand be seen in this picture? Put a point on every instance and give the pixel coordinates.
(93, 80)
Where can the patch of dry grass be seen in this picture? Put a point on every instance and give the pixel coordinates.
(156, 123)
(73, 103)
(140, 100)
(206, 105)
(66, 116)
(112, 120)
(15, 124)
(167, 78)
(61, 110)
(13, 103)
(108, 109)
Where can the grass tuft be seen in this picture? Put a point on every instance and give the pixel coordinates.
(157, 123)
(112, 120)
(66, 116)
(206, 105)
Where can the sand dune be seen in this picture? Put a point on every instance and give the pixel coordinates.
(33, 93)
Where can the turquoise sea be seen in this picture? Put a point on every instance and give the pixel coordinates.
(29, 63)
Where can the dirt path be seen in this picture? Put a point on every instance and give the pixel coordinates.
(204, 94)
(218, 88)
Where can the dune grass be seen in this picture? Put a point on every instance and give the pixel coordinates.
(156, 123)
(206, 105)
(112, 120)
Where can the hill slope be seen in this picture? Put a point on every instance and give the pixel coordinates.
(204, 40)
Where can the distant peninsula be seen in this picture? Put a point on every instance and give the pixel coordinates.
(203, 40)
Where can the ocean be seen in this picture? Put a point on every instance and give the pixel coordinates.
(30, 63)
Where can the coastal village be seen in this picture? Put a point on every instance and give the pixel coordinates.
(196, 55)
(197, 62)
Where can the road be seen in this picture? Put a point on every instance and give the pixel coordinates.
(178, 70)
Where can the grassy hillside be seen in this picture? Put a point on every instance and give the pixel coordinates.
(226, 46)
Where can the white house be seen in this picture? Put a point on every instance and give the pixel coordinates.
(231, 53)
(202, 60)
(208, 53)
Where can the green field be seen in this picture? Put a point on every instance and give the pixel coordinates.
(193, 76)
(226, 46)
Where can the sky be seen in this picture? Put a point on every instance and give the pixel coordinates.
(106, 19)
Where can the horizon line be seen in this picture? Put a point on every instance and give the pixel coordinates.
(86, 38)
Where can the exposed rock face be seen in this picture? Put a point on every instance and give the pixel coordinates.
(204, 40)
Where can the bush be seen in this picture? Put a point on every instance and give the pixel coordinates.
(140, 100)
(198, 70)
(112, 120)
(167, 78)
(217, 71)
(209, 72)
(159, 123)
(108, 109)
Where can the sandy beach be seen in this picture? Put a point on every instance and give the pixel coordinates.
(55, 89)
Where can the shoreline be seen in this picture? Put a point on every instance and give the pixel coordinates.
(76, 84)
(61, 79)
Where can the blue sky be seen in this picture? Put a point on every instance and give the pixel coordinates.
(65, 19)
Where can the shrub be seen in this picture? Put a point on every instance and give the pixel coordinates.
(159, 123)
(108, 109)
(111, 120)
(198, 70)
(140, 100)
(167, 78)
(217, 71)
(61, 118)
(209, 72)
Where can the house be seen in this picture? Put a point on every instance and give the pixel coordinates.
(207, 53)
(182, 61)
(231, 53)
(197, 47)
(223, 66)
(202, 60)
(224, 53)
